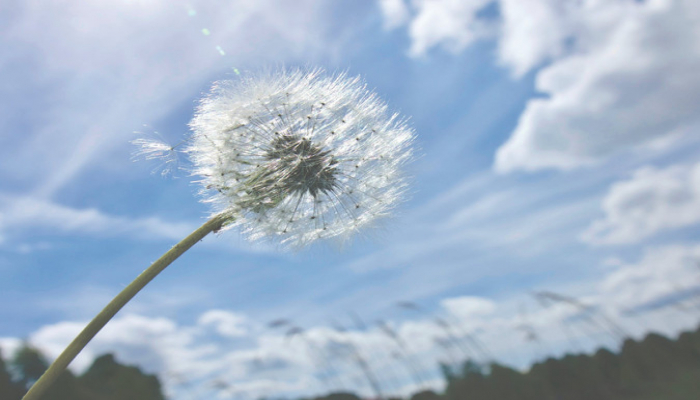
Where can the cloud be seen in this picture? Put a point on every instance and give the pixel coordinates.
(226, 323)
(466, 307)
(630, 80)
(155, 344)
(187, 358)
(653, 200)
(395, 13)
(529, 31)
(534, 31)
(36, 214)
(8, 347)
(661, 272)
(452, 24)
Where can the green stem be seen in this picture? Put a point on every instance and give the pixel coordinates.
(97, 323)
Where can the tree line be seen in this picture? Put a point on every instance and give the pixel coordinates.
(106, 379)
(651, 369)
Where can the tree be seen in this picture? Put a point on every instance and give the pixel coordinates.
(113, 381)
(30, 364)
(9, 390)
(426, 395)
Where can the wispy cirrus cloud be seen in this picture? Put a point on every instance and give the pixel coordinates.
(104, 69)
(33, 215)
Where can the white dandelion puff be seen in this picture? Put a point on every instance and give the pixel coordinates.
(297, 156)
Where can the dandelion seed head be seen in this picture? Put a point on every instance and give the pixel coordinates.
(298, 156)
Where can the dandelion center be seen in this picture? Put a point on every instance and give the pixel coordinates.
(302, 165)
(294, 166)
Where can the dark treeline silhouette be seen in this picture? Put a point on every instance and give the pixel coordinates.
(106, 379)
(656, 368)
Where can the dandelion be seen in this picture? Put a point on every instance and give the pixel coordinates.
(296, 156)
(291, 156)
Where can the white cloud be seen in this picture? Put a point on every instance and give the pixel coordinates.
(155, 344)
(188, 361)
(452, 24)
(395, 13)
(534, 31)
(653, 200)
(32, 214)
(226, 323)
(8, 347)
(531, 31)
(630, 80)
(187, 358)
(661, 273)
(467, 307)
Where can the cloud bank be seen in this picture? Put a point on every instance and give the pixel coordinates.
(615, 75)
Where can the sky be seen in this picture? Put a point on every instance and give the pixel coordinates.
(557, 153)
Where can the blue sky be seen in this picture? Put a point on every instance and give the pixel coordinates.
(557, 145)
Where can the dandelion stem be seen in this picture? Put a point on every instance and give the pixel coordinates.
(97, 323)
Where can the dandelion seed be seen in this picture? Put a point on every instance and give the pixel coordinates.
(152, 149)
(299, 156)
